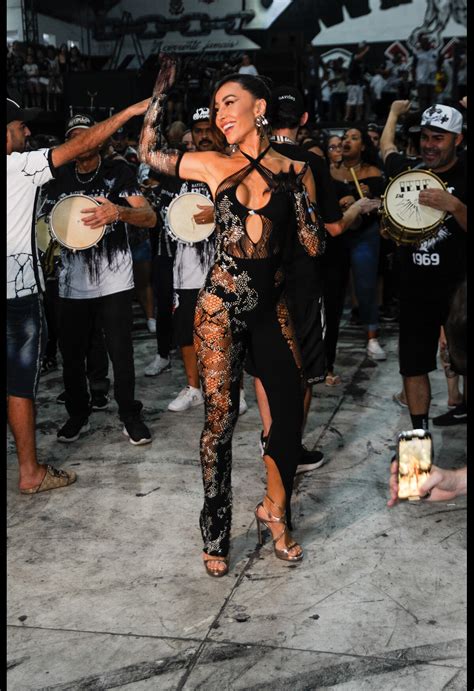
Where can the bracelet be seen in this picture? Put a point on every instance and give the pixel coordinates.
(117, 212)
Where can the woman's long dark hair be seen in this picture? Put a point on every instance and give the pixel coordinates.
(369, 154)
(257, 86)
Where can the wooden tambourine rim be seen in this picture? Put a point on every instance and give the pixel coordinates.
(170, 230)
(44, 218)
(51, 224)
(425, 231)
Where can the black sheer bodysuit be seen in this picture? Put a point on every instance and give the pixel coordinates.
(242, 306)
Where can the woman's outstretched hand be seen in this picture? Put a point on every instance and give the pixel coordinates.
(167, 74)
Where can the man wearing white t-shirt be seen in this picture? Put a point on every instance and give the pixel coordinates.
(426, 59)
(247, 67)
(96, 284)
(26, 325)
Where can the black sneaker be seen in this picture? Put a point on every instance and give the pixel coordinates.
(262, 443)
(48, 365)
(136, 431)
(389, 314)
(99, 401)
(310, 460)
(61, 398)
(73, 429)
(457, 416)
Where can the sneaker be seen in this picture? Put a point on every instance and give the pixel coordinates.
(243, 407)
(61, 398)
(389, 314)
(375, 350)
(187, 398)
(48, 365)
(262, 444)
(397, 398)
(458, 416)
(157, 366)
(151, 325)
(73, 429)
(310, 460)
(136, 431)
(99, 401)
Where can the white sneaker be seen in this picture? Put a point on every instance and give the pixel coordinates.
(375, 350)
(157, 366)
(151, 325)
(243, 407)
(187, 398)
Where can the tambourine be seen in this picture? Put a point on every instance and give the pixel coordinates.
(67, 224)
(404, 219)
(43, 236)
(180, 223)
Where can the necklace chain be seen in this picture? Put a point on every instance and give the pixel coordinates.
(96, 171)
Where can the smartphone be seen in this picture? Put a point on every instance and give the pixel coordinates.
(415, 457)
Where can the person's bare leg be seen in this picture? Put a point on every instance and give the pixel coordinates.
(418, 394)
(307, 403)
(263, 407)
(21, 418)
(455, 397)
(190, 365)
(276, 492)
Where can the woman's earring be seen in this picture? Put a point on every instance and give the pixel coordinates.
(260, 123)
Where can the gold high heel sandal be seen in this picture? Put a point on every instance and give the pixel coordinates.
(279, 553)
(213, 571)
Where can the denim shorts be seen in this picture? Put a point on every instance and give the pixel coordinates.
(26, 342)
(141, 252)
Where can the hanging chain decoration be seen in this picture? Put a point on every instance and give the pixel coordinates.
(156, 26)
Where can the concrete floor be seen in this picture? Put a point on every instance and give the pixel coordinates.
(106, 588)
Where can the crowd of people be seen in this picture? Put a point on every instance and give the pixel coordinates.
(37, 72)
(296, 216)
(337, 90)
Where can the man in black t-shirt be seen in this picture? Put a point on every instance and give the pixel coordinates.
(303, 274)
(431, 270)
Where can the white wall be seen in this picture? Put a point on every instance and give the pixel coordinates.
(393, 24)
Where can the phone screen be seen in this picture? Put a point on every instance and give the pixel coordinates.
(415, 453)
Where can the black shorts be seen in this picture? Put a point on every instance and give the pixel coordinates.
(420, 324)
(183, 316)
(309, 321)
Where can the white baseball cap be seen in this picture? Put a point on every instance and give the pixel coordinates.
(442, 118)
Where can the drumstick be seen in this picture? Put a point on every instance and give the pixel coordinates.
(356, 182)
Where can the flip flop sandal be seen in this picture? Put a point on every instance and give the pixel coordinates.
(333, 380)
(53, 479)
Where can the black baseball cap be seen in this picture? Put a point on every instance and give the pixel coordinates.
(16, 112)
(287, 99)
(200, 115)
(79, 121)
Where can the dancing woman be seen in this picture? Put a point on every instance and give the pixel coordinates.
(261, 197)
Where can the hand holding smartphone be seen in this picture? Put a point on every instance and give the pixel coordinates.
(415, 457)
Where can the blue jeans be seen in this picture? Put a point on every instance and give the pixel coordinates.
(26, 341)
(364, 246)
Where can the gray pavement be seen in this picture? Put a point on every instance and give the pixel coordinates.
(106, 588)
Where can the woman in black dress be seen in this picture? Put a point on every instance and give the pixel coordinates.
(260, 198)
